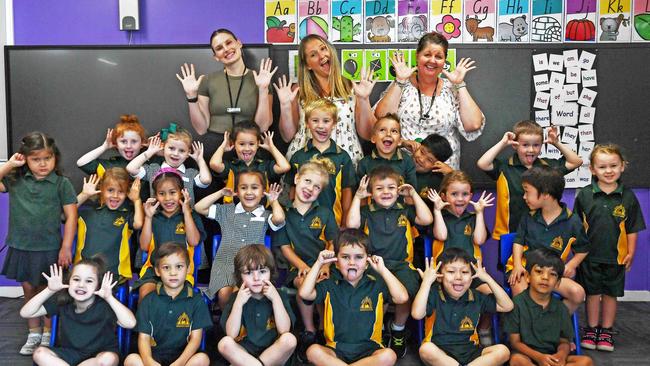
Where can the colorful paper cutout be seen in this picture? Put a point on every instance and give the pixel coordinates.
(379, 24)
(479, 21)
(313, 18)
(377, 61)
(280, 21)
(447, 19)
(547, 21)
(614, 23)
(513, 21)
(347, 21)
(580, 21)
(351, 63)
(412, 20)
(641, 15)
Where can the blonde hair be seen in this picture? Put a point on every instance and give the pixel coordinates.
(527, 127)
(609, 149)
(309, 87)
(455, 176)
(322, 166)
(181, 134)
(322, 104)
(117, 175)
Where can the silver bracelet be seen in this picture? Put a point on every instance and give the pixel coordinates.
(402, 84)
(460, 86)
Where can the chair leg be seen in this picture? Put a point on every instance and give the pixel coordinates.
(576, 333)
(495, 328)
(420, 330)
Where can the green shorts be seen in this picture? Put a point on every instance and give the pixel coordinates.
(408, 276)
(252, 349)
(601, 278)
(148, 277)
(463, 353)
(74, 357)
(361, 351)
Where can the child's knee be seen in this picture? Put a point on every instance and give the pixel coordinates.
(107, 359)
(199, 359)
(518, 359)
(429, 352)
(501, 352)
(133, 359)
(226, 345)
(575, 293)
(316, 353)
(386, 356)
(287, 341)
(40, 353)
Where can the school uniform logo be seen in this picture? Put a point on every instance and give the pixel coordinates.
(366, 304)
(119, 221)
(270, 323)
(424, 192)
(557, 243)
(402, 221)
(183, 321)
(180, 228)
(468, 229)
(316, 223)
(619, 211)
(466, 324)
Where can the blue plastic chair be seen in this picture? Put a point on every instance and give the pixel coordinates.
(506, 243)
(216, 242)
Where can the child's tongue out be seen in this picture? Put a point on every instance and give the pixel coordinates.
(352, 274)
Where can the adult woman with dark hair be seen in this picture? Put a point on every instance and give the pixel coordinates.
(221, 99)
(319, 76)
(427, 103)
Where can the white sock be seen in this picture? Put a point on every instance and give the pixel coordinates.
(396, 327)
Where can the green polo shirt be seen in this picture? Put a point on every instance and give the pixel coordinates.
(101, 230)
(608, 219)
(454, 322)
(234, 166)
(390, 231)
(561, 236)
(460, 234)
(353, 316)
(342, 177)
(258, 320)
(426, 181)
(35, 209)
(510, 193)
(100, 166)
(401, 162)
(539, 328)
(172, 228)
(169, 322)
(307, 235)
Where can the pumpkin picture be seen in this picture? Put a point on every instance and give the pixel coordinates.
(580, 30)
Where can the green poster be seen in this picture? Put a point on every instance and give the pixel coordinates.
(377, 61)
(351, 63)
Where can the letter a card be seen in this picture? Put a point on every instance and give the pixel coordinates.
(313, 18)
(280, 21)
(347, 21)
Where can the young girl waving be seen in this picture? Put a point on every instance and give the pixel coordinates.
(38, 195)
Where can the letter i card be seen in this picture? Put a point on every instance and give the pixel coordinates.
(447, 19)
(513, 21)
(580, 20)
(351, 63)
(347, 21)
(377, 61)
(379, 21)
(547, 20)
(280, 21)
(313, 18)
(412, 20)
(641, 21)
(480, 21)
(614, 23)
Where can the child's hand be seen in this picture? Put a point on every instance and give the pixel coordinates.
(363, 88)
(17, 160)
(90, 185)
(267, 141)
(410, 145)
(516, 274)
(134, 191)
(227, 146)
(284, 92)
(550, 360)
(326, 256)
(627, 261)
(438, 203)
(65, 257)
(150, 207)
(362, 191)
(269, 291)
(406, 190)
(55, 279)
(479, 271)
(155, 146)
(108, 142)
(243, 294)
(509, 139)
(569, 271)
(274, 192)
(197, 151)
(228, 192)
(552, 136)
(324, 273)
(484, 201)
(440, 167)
(377, 263)
(302, 271)
(263, 78)
(187, 201)
(430, 274)
(106, 291)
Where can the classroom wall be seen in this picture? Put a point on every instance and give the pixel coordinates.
(73, 22)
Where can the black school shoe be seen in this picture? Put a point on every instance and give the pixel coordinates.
(305, 340)
(398, 341)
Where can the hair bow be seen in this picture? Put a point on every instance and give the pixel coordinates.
(164, 133)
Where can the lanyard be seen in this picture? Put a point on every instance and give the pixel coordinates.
(424, 117)
(233, 107)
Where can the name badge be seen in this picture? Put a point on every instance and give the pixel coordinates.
(186, 179)
(233, 110)
(256, 218)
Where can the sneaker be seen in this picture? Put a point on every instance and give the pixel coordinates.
(33, 341)
(306, 339)
(589, 339)
(397, 342)
(45, 339)
(605, 340)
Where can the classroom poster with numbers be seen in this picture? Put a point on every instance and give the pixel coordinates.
(447, 19)
(546, 25)
(614, 23)
(641, 21)
(347, 21)
(280, 21)
(412, 20)
(380, 21)
(480, 21)
(580, 20)
(513, 21)
(313, 18)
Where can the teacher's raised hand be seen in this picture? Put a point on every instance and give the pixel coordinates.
(363, 87)
(263, 77)
(189, 81)
(458, 75)
(402, 70)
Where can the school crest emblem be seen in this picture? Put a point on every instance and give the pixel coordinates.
(402, 221)
(180, 228)
(557, 243)
(466, 324)
(270, 323)
(183, 321)
(424, 192)
(119, 221)
(468, 229)
(316, 223)
(366, 304)
(619, 211)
